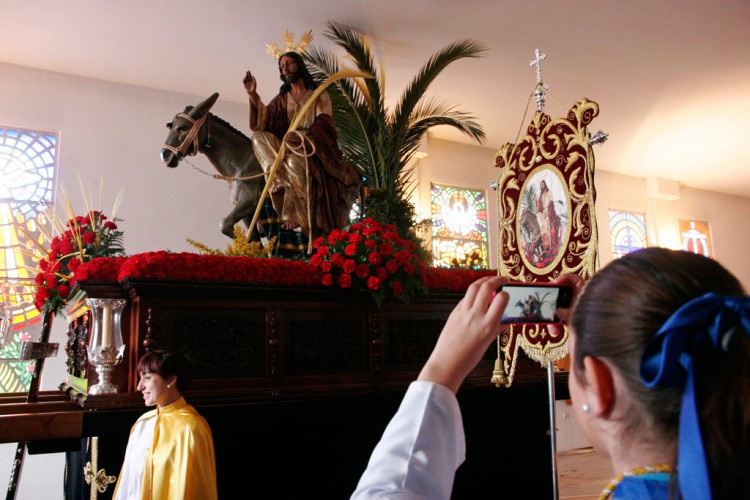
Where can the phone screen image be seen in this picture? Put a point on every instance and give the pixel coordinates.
(531, 304)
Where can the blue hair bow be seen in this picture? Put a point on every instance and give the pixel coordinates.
(669, 360)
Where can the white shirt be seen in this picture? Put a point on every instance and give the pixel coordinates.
(420, 450)
(139, 443)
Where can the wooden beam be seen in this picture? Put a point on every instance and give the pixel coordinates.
(41, 426)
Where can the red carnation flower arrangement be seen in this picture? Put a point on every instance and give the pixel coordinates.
(78, 240)
(371, 257)
(83, 238)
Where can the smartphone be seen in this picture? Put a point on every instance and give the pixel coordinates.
(535, 302)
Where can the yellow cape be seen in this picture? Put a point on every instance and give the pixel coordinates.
(181, 464)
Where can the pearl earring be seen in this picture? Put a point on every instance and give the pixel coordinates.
(585, 407)
(169, 386)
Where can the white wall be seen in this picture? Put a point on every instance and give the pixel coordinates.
(118, 130)
(726, 215)
(458, 165)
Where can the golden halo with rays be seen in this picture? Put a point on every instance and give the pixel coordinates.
(289, 46)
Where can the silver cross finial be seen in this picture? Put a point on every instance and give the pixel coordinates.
(538, 63)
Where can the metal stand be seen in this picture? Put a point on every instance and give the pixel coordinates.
(39, 351)
(553, 427)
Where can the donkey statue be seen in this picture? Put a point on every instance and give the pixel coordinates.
(194, 131)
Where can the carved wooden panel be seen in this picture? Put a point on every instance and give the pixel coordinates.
(410, 341)
(222, 342)
(329, 342)
(75, 346)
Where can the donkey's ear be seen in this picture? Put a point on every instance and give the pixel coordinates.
(169, 125)
(202, 108)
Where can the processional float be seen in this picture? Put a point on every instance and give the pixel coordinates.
(546, 223)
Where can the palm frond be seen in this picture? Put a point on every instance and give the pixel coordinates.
(359, 51)
(352, 109)
(430, 113)
(432, 107)
(373, 119)
(427, 110)
(427, 74)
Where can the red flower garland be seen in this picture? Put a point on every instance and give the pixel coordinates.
(200, 267)
(271, 271)
(440, 278)
(101, 269)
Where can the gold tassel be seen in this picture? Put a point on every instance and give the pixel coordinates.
(498, 374)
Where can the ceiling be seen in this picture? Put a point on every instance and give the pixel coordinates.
(671, 77)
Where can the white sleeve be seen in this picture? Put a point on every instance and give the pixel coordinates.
(420, 450)
(324, 105)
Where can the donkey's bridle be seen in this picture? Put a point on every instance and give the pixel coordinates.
(189, 145)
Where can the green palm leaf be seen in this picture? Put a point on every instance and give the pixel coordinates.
(427, 74)
(359, 50)
(381, 142)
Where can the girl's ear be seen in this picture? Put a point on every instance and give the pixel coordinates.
(172, 381)
(600, 386)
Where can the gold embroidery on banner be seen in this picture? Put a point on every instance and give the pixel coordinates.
(538, 243)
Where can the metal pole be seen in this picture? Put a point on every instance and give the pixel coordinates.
(15, 472)
(553, 427)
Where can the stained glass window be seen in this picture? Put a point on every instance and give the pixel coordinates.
(459, 227)
(696, 237)
(627, 231)
(28, 165)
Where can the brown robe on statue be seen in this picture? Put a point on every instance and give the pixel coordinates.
(313, 185)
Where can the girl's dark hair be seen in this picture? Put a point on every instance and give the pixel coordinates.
(167, 364)
(620, 311)
(302, 67)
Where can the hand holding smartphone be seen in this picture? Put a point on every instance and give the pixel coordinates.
(535, 302)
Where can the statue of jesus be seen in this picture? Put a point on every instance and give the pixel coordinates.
(313, 189)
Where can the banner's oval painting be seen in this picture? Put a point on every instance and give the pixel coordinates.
(543, 219)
